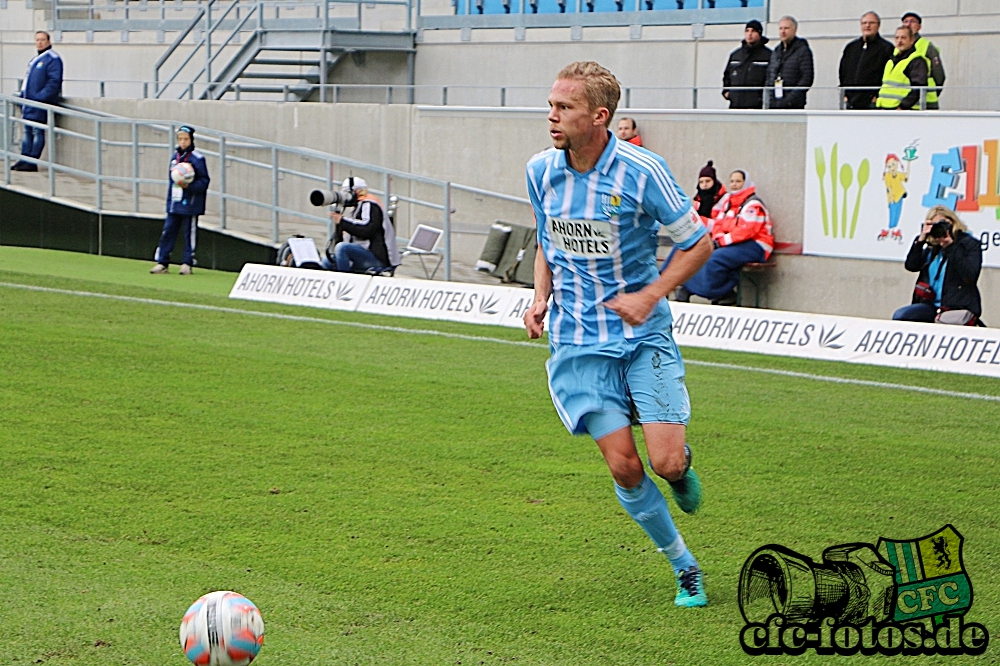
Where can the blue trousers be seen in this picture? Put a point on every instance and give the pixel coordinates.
(895, 210)
(924, 312)
(352, 258)
(33, 142)
(721, 272)
(185, 224)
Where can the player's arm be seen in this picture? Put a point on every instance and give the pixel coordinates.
(634, 308)
(664, 201)
(534, 317)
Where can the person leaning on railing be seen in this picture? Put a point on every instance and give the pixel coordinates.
(42, 83)
(930, 53)
(746, 72)
(790, 71)
(863, 64)
(905, 74)
(948, 260)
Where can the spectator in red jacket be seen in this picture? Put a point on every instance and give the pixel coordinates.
(710, 192)
(628, 131)
(741, 232)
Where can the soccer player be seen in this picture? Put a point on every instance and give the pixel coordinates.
(598, 203)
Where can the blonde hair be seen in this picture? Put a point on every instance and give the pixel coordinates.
(948, 214)
(600, 87)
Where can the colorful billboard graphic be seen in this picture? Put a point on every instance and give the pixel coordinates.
(871, 177)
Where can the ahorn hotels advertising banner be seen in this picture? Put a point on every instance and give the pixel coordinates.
(871, 177)
(959, 349)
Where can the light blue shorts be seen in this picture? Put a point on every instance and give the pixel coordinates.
(598, 389)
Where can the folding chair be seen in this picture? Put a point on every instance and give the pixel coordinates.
(422, 244)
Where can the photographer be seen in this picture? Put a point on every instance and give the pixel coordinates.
(365, 240)
(948, 260)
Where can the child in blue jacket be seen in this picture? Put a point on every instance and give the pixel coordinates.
(185, 202)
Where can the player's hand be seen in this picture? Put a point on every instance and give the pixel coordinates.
(534, 319)
(634, 308)
(924, 230)
(336, 217)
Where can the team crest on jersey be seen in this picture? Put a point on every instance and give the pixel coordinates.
(611, 204)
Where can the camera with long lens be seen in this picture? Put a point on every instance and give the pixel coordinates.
(851, 584)
(340, 200)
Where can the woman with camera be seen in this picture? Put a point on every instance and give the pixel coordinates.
(948, 260)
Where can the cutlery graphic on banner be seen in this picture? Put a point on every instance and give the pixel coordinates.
(837, 213)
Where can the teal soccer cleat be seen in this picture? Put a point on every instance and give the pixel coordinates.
(690, 588)
(687, 491)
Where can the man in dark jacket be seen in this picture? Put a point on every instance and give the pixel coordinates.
(790, 70)
(747, 68)
(42, 83)
(185, 202)
(863, 64)
(948, 260)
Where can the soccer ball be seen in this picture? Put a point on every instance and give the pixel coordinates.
(222, 629)
(182, 173)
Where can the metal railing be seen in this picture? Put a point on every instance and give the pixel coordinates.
(216, 32)
(170, 15)
(173, 15)
(520, 14)
(108, 164)
(823, 98)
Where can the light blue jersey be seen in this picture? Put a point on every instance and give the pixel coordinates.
(598, 233)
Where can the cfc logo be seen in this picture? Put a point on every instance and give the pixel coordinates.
(897, 597)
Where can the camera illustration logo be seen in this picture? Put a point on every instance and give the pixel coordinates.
(897, 597)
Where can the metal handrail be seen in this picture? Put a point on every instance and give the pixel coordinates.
(236, 26)
(181, 36)
(216, 144)
(444, 95)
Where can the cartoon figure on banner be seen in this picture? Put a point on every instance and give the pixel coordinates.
(895, 176)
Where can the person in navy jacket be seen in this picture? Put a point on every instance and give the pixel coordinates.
(185, 202)
(42, 83)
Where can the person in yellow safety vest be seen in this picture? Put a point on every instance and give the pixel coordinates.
(905, 72)
(930, 53)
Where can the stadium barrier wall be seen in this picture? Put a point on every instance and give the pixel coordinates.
(488, 147)
(960, 349)
(29, 221)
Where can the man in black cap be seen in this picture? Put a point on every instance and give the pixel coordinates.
(863, 64)
(928, 52)
(747, 68)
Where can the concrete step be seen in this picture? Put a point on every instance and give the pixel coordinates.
(295, 76)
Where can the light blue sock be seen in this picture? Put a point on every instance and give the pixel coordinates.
(646, 505)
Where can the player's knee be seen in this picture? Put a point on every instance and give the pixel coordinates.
(626, 470)
(670, 467)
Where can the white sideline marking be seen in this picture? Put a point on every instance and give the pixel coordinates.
(844, 380)
(271, 315)
(480, 338)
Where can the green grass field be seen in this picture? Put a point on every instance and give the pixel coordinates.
(392, 497)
